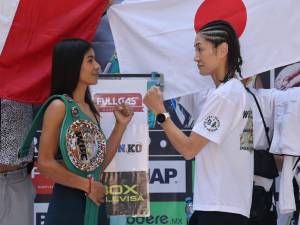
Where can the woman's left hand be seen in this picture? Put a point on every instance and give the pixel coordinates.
(123, 114)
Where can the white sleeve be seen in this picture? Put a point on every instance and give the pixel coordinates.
(286, 124)
(218, 117)
(286, 189)
(277, 123)
(290, 141)
(266, 103)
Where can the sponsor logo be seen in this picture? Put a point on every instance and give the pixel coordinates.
(126, 193)
(107, 101)
(123, 193)
(159, 219)
(43, 185)
(167, 176)
(163, 177)
(130, 148)
(211, 123)
(162, 213)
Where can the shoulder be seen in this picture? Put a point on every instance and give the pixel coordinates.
(55, 110)
(232, 91)
(265, 96)
(57, 105)
(231, 86)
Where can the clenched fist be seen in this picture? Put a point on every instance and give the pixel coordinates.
(154, 100)
(123, 114)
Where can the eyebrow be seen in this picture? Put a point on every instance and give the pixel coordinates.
(90, 56)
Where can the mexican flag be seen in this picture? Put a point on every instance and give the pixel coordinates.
(29, 30)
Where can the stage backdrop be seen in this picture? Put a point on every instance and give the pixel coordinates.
(170, 176)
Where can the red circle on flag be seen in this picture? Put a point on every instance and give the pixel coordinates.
(232, 11)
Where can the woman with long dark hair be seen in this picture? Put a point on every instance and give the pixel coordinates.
(74, 155)
(221, 140)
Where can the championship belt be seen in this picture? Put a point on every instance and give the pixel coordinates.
(82, 145)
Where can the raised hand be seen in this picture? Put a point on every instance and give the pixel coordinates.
(154, 100)
(123, 114)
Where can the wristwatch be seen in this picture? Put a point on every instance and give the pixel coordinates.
(162, 117)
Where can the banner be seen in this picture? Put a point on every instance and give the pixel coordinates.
(126, 177)
(158, 35)
(30, 30)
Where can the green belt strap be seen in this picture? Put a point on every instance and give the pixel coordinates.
(91, 209)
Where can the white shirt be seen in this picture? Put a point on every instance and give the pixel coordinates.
(286, 139)
(265, 98)
(223, 169)
(286, 188)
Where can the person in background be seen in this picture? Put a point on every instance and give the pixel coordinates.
(288, 78)
(17, 192)
(263, 210)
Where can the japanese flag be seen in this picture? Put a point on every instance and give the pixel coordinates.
(158, 35)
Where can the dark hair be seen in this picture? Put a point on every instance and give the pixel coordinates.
(67, 59)
(218, 32)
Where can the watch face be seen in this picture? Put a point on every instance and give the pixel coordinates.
(160, 118)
